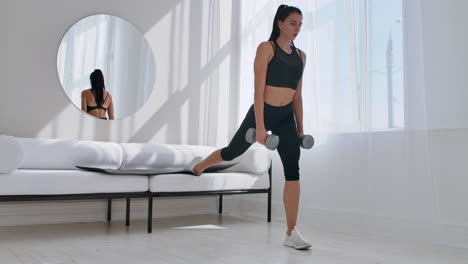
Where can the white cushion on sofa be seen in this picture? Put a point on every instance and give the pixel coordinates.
(63, 154)
(256, 160)
(141, 156)
(11, 154)
(208, 182)
(35, 182)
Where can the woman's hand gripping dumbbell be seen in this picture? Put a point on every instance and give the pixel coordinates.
(307, 141)
(271, 143)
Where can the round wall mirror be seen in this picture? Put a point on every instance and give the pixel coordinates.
(106, 67)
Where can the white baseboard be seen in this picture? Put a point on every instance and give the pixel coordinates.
(55, 212)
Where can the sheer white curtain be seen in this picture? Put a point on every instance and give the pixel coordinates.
(364, 102)
(353, 81)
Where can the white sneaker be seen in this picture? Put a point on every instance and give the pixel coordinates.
(296, 241)
(191, 166)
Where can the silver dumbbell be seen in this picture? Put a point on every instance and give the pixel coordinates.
(271, 143)
(307, 141)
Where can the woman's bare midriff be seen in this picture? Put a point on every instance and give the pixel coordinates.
(278, 96)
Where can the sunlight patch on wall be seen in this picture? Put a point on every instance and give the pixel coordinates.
(225, 13)
(206, 34)
(223, 102)
(159, 41)
(184, 121)
(179, 52)
(204, 108)
(161, 135)
(64, 127)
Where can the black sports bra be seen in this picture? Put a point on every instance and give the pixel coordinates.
(284, 69)
(91, 108)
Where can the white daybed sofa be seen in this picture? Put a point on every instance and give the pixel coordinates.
(45, 169)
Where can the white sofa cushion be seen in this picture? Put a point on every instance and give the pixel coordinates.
(11, 154)
(63, 154)
(139, 156)
(208, 182)
(49, 182)
(148, 156)
(256, 159)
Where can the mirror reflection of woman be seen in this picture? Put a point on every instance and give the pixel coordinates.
(97, 101)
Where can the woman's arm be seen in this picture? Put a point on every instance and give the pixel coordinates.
(111, 109)
(84, 105)
(264, 52)
(298, 112)
(297, 103)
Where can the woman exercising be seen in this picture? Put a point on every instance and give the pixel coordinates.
(277, 107)
(100, 100)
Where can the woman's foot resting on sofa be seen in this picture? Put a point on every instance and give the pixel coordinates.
(212, 159)
(191, 166)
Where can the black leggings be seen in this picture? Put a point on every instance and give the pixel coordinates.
(280, 121)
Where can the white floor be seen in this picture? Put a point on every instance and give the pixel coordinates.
(206, 239)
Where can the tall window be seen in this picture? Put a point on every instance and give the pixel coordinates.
(385, 36)
(353, 81)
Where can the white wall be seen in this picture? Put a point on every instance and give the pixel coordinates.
(3, 48)
(194, 47)
(445, 60)
(194, 60)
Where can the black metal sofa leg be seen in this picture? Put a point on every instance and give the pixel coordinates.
(150, 214)
(269, 193)
(269, 206)
(220, 207)
(127, 213)
(109, 210)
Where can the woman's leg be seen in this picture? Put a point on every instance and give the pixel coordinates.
(291, 195)
(212, 159)
(289, 151)
(236, 147)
